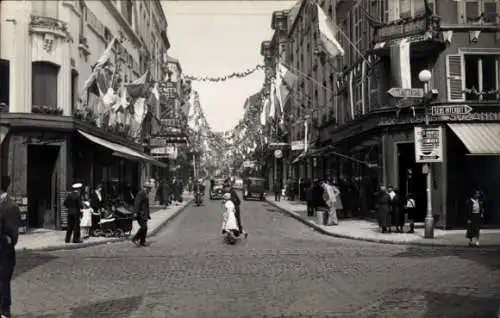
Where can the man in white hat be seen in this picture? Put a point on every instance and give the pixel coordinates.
(74, 204)
(141, 208)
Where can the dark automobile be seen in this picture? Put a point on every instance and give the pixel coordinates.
(216, 189)
(254, 187)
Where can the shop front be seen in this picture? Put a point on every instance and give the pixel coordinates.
(45, 154)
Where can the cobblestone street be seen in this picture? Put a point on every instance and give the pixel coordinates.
(283, 269)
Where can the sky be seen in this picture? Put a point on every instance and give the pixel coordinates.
(217, 38)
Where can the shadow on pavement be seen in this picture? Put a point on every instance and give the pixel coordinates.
(26, 261)
(484, 256)
(110, 308)
(414, 303)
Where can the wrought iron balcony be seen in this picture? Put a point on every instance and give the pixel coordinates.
(51, 26)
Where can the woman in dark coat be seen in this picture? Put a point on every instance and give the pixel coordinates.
(309, 199)
(384, 210)
(475, 215)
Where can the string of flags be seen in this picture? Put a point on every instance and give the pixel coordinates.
(225, 77)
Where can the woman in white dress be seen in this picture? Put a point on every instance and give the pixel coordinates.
(229, 223)
(86, 220)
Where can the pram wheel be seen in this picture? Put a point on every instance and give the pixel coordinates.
(97, 232)
(108, 233)
(119, 233)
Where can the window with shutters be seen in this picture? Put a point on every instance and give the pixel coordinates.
(481, 76)
(45, 8)
(454, 75)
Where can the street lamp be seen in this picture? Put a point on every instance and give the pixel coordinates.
(425, 76)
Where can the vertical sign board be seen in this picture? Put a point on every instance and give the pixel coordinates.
(428, 144)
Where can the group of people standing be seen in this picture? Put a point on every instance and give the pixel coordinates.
(169, 191)
(85, 209)
(324, 194)
(392, 208)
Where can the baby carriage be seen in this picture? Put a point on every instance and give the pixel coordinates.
(115, 222)
(230, 229)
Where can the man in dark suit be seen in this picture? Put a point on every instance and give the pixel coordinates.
(141, 208)
(9, 223)
(74, 204)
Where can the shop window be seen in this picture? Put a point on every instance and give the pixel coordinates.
(4, 81)
(44, 84)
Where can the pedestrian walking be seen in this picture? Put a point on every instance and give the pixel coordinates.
(277, 190)
(330, 197)
(9, 222)
(141, 209)
(74, 204)
(475, 216)
(228, 188)
(410, 208)
(384, 210)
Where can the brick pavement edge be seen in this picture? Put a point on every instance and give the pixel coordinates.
(109, 240)
(359, 238)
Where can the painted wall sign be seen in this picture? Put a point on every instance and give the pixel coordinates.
(483, 116)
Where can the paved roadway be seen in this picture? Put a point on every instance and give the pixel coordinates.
(283, 269)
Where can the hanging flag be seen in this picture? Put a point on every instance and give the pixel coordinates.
(351, 93)
(272, 101)
(285, 81)
(139, 87)
(103, 60)
(264, 111)
(327, 34)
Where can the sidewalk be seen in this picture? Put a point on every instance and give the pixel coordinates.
(49, 240)
(364, 230)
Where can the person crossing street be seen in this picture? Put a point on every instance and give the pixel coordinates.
(141, 208)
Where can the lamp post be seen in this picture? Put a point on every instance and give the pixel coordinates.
(425, 76)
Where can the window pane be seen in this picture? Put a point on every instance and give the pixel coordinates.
(418, 7)
(471, 75)
(44, 84)
(404, 8)
(472, 10)
(489, 76)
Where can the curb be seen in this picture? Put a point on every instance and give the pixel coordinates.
(110, 240)
(371, 240)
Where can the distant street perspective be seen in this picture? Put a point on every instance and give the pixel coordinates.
(283, 269)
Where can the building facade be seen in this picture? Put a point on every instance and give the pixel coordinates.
(49, 50)
(364, 137)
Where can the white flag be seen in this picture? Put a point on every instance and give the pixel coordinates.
(105, 57)
(327, 34)
(285, 80)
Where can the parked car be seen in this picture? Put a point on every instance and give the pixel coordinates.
(216, 189)
(254, 187)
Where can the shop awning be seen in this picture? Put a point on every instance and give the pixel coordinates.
(479, 139)
(122, 151)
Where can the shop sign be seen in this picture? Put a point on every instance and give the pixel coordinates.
(298, 145)
(482, 116)
(428, 144)
(248, 164)
(169, 152)
(402, 30)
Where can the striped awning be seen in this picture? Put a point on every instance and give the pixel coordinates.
(481, 139)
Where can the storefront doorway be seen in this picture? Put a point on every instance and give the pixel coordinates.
(42, 186)
(411, 179)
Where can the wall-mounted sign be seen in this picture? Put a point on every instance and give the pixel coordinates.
(298, 145)
(482, 116)
(402, 30)
(428, 144)
(447, 110)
